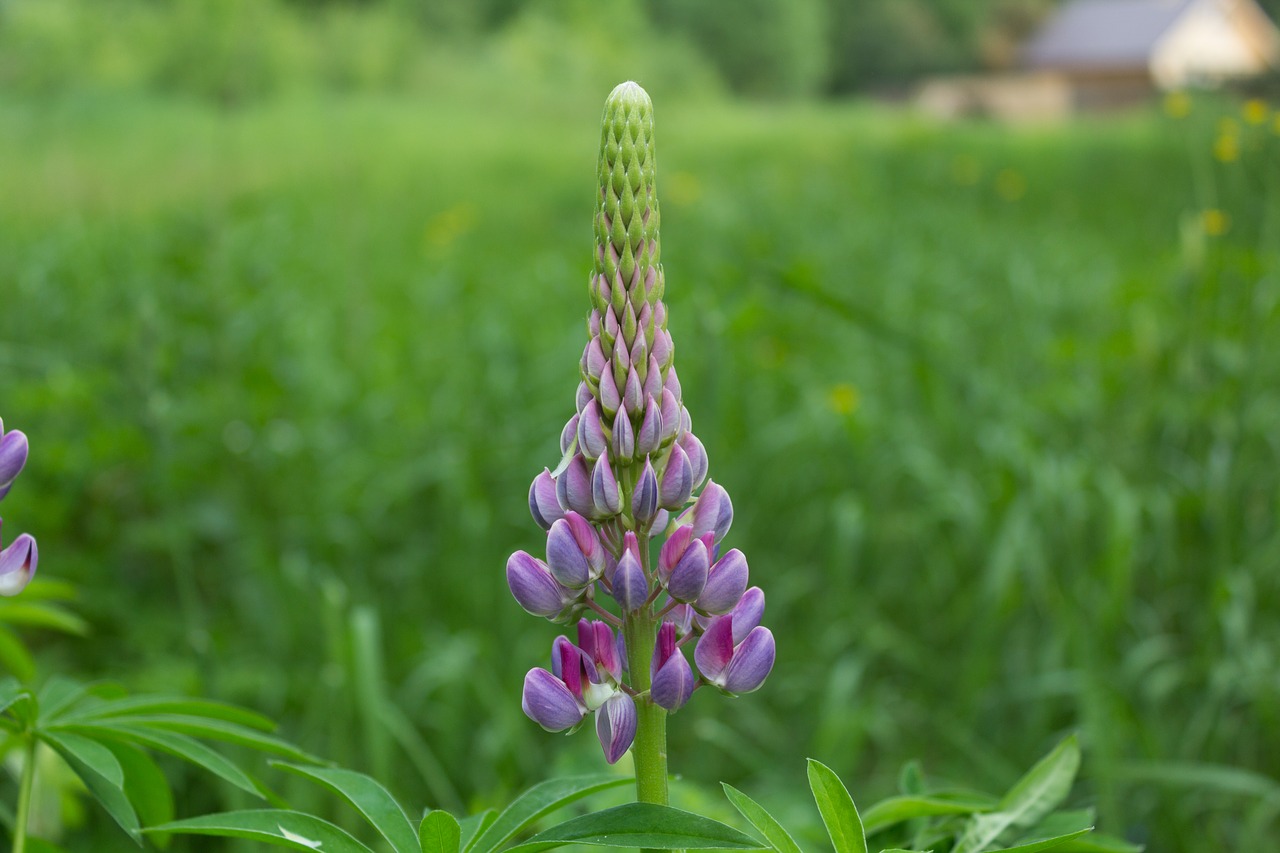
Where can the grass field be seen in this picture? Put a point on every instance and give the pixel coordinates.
(999, 411)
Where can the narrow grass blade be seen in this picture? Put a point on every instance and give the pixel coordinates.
(281, 827)
(540, 800)
(368, 797)
(837, 809)
(774, 833)
(440, 833)
(472, 825)
(894, 810)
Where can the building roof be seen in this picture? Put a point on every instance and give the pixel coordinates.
(1103, 34)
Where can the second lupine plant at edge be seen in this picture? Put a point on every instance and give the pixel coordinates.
(631, 476)
(18, 561)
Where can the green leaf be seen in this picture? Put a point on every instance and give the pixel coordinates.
(368, 797)
(38, 614)
(96, 756)
(779, 839)
(271, 826)
(1034, 795)
(213, 729)
(11, 692)
(837, 809)
(1043, 843)
(179, 746)
(540, 800)
(440, 833)
(897, 809)
(473, 825)
(903, 850)
(642, 825)
(1098, 842)
(59, 694)
(111, 797)
(175, 705)
(145, 785)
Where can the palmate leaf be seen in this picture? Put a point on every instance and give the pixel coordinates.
(145, 784)
(372, 800)
(1033, 796)
(200, 727)
(89, 752)
(110, 796)
(439, 833)
(281, 827)
(540, 800)
(837, 809)
(169, 706)
(779, 839)
(41, 614)
(179, 746)
(643, 825)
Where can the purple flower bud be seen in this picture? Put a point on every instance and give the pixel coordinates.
(715, 649)
(543, 504)
(569, 434)
(697, 454)
(632, 396)
(682, 617)
(726, 583)
(592, 441)
(610, 325)
(672, 383)
(752, 661)
(672, 550)
(649, 436)
(672, 677)
(663, 350)
(653, 379)
(624, 439)
(670, 415)
(13, 456)
(573, 487)
(567, 664)
(547, 701)
(575, 556)
(616, 726)
(605, 495)
(610, 400)
(621, 364)
(630, 586)
(583, 397)
(593, 323)
(598, 645)
(689, 575)
(686, 419)
(659, 523)
(712, 513)
(531, 583)
(640, 355)
(747, 613)
(593, 360)
(644, 502)
(677, 479)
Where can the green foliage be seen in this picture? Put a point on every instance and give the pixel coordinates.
(106, 738)
(994, 406)
(1026, 818)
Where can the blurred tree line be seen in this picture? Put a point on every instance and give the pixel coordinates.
(237, 50)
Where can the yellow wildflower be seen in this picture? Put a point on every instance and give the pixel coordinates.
(1255, 111)
(843, 398)
(1177, 104)
(1215, 222)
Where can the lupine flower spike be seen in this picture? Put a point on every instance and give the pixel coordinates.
(18, 561)
(630, 473)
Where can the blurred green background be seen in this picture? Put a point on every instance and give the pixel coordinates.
(291, 303)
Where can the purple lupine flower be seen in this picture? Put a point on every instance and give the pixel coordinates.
(644, 503)
(726, 583)
(683, 565)
(543, 504)
(632, 471)
(734, 668)
(13, 457)
(616, 726)
(18, 564)
(672, 678)
(535, 588)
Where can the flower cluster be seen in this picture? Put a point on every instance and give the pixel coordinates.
(18, 561)
(630, 473)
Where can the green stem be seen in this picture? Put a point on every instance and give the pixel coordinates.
(24, 797)
(650, 748)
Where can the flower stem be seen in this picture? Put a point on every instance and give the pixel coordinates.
(650, 747)
(24, 797)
